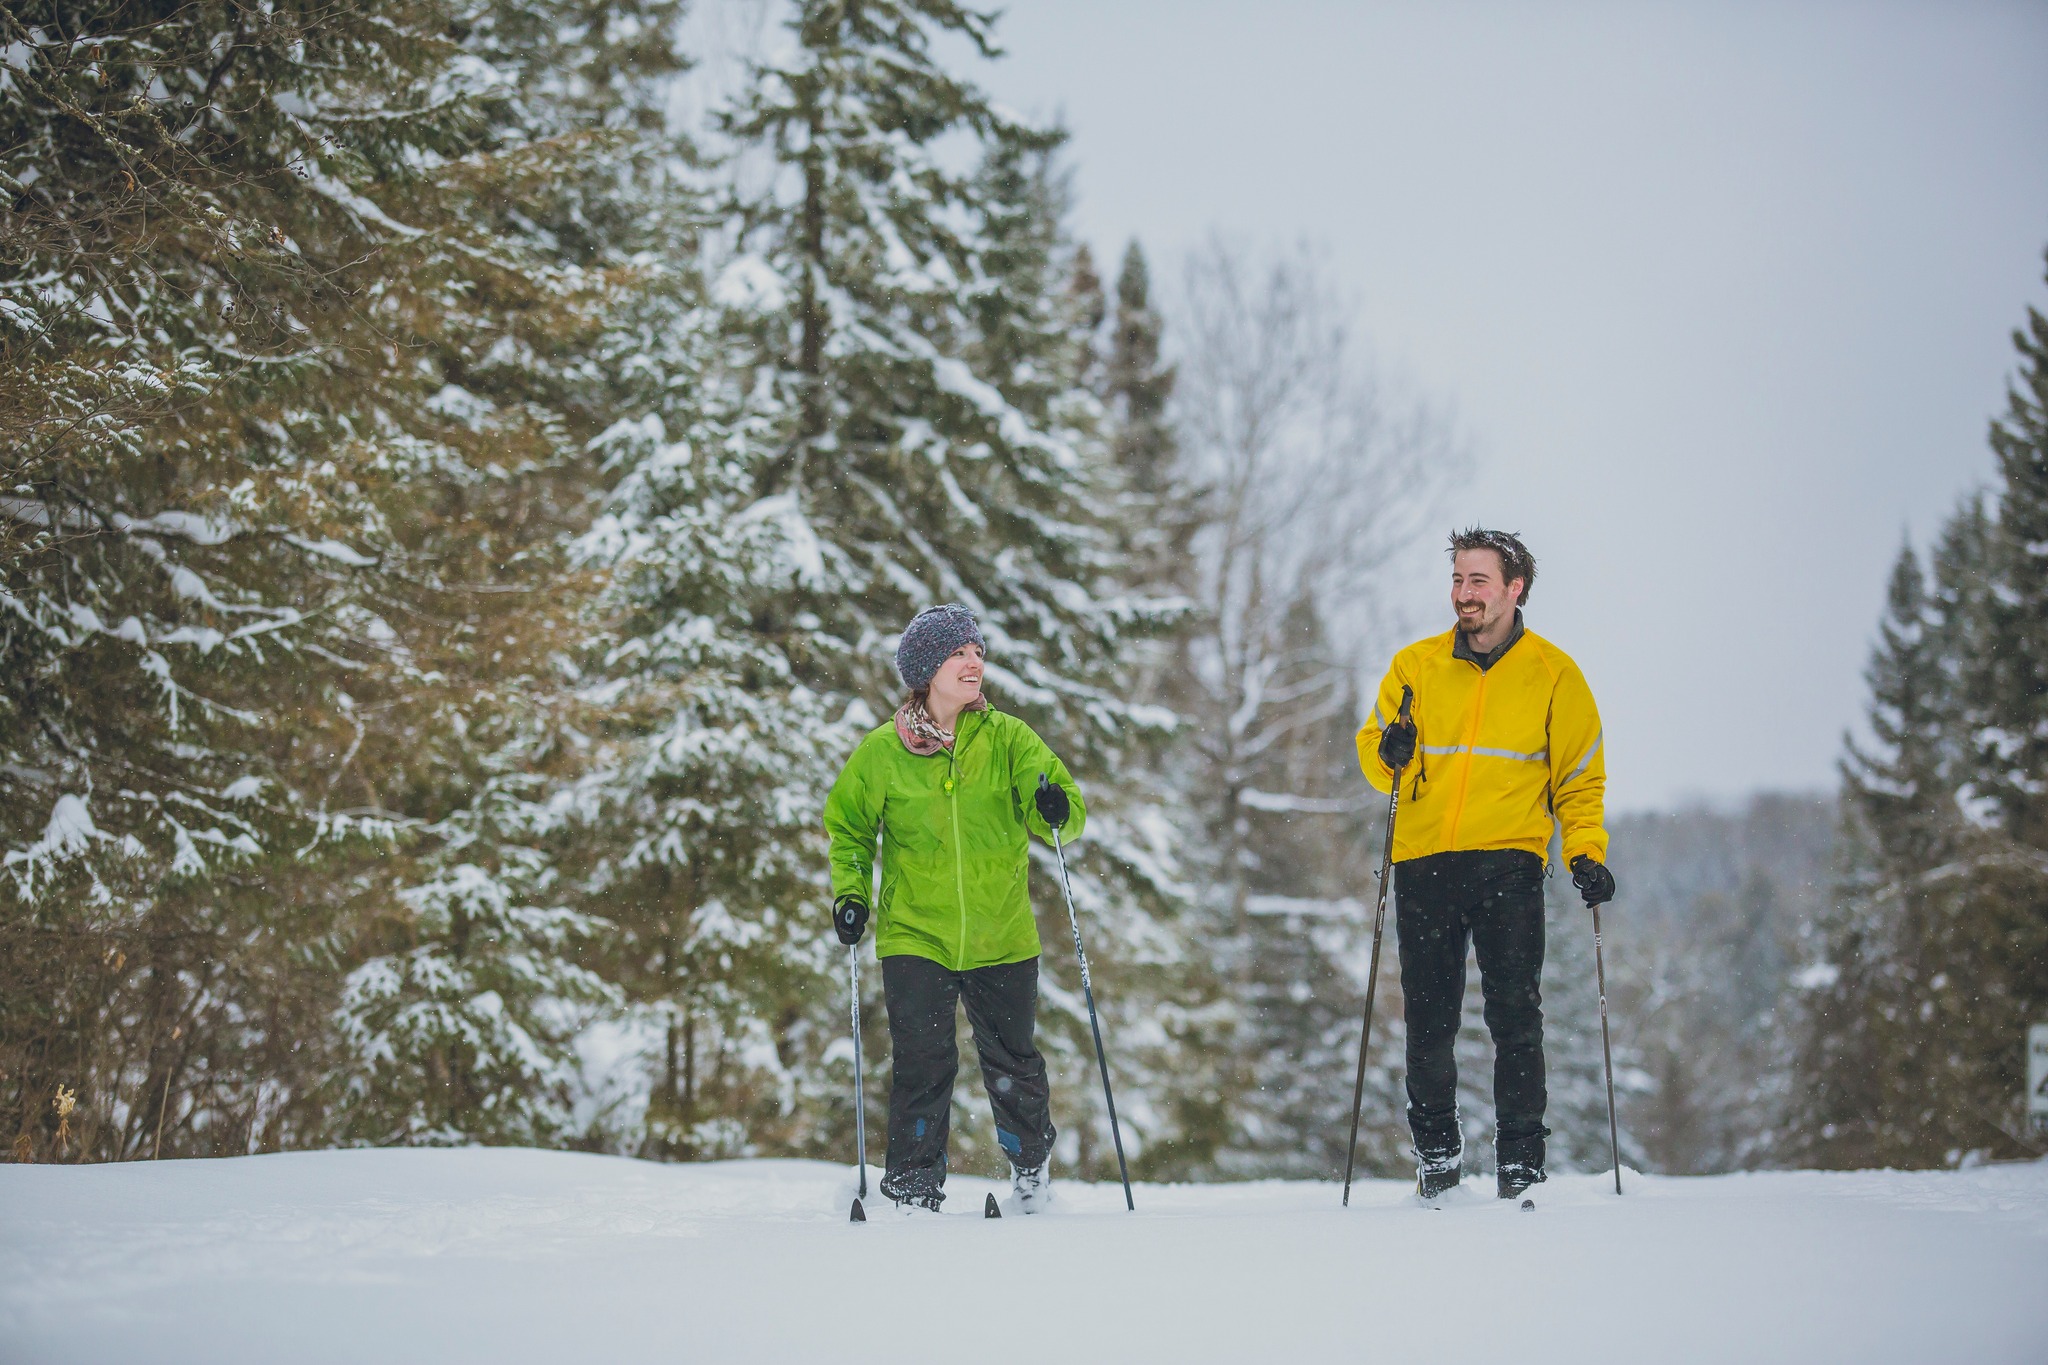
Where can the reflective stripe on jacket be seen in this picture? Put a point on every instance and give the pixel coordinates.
(954, 829)
(1501, 753)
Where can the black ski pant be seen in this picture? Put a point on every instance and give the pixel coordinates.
(1492, 899)
(1002, 1009)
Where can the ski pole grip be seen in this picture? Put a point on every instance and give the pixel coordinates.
(1407, 700)
(1043, 787)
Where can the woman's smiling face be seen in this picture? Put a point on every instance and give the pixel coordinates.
(958, 681)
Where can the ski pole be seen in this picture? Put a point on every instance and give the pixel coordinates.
(1088, 990)
(1606, 1050)
(860, 1116)
(1372, 975)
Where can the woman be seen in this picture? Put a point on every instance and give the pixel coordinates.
(952, 786)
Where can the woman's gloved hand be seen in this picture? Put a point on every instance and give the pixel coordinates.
(850, 919)
(1052, 803)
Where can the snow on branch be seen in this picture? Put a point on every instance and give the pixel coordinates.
(1305, 907)
(1288, 802)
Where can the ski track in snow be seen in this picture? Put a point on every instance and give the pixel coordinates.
(505, 1256)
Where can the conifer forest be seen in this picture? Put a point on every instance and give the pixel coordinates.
(458, 502)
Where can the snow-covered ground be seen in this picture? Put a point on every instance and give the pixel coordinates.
(509, 1256)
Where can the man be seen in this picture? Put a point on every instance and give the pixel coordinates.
(1504, 742)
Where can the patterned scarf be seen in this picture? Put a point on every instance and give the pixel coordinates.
(920, 733)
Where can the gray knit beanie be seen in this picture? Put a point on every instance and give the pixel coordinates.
(930, 639)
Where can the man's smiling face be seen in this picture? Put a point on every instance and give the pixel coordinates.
(1483, 601)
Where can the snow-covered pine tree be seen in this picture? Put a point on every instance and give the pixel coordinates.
(1313, 834)
(275, 637)
(199, 293)
(1160, 510)
(1086, 308)
(698, 828)
(1168, 998)
(1899, 821)
(469, 987)
(2011, 757)
(938, 446)
(1897, 790)
(1989, 952)
(1151, 522)
(1936, 953)
(1139, 382)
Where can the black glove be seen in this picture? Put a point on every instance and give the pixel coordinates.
(1397, 744)
(1053, 806)
(850, 919)
(1593, 879)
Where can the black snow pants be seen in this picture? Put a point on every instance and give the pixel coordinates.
(1002, 1009)
(1492, 899)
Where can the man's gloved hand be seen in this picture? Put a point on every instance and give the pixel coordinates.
(850, 919)
(1397, 744)
(1594, 881)
(1052, 803)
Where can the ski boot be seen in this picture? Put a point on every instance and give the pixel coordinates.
(1436, 1172)
(1518, 1162)
(1515, 1176)
(913, 1192)
(1031, 1186)
(919, 1204)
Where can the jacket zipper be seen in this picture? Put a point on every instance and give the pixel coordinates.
(959, 867)
(1465, 782)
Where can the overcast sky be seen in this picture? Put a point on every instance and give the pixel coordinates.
(1721, 292)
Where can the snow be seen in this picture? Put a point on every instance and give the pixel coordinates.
(1307, 907)
(803, 553)
(71, 828)
(750, 285)
(197, 529)
(70, 831)
(1302, 805)
(509, 1255)
(1816, 976)
(355, 203)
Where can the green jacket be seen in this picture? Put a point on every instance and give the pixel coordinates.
(954, 839)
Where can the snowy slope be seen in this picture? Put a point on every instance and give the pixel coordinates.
(509, 1256)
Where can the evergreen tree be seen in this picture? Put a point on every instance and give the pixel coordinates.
(1937, 952)
(466, 986)
(200, 290)
(2012, 746)
(1086, 309)
(937, 445)
(1896, 793)
(1860, 1102)
(276, 675)
(1139, 383)
(698, 828)
(1311, 843)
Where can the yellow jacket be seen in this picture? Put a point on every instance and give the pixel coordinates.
(1500, 754)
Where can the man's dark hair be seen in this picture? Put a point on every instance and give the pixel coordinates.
(1515, 559)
